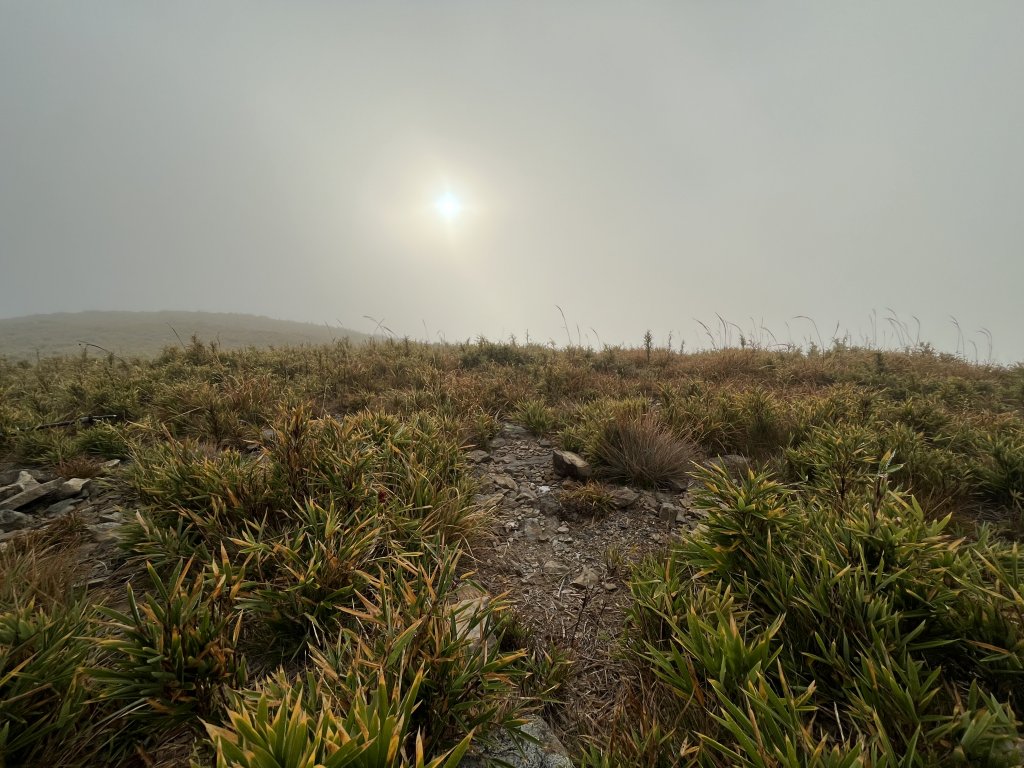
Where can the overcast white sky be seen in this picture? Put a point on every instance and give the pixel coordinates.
(639, 164)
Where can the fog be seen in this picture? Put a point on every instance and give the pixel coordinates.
(640, 165)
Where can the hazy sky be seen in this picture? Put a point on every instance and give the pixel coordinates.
(639, 164)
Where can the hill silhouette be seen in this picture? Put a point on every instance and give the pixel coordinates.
(144, 334)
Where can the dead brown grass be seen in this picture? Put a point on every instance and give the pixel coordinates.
(641, 451)
(42, 565)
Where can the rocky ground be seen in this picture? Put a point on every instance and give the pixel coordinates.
(565, 574)
(31, 499)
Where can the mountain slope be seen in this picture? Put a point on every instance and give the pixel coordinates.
(146, 333)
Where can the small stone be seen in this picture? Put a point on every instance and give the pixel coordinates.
(563, 529)
(555, 568)
(667, 512)
(624, 497)
(114, 463)
(588, 578)
(569, 464)
(74, 487)
(506, 482)
(104, 531)
(549, 504)
(11, 520)
(532, 530)
(610, 586)
(499, 442)
(467, 613)
(488, 501)
(514, 430)
(479, 457)
(544, 443)
(682, 517)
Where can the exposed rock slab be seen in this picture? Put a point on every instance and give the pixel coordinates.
(33, 494)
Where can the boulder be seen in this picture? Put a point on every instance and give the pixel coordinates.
(569, 464)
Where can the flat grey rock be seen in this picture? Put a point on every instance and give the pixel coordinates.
(33, 494)
(506, 482)
(61, 508)
(547, 752)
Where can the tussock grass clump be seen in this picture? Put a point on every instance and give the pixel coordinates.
(587, 500)
(536, 416)
(641, 451)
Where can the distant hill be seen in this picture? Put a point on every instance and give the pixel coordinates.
(145, 334)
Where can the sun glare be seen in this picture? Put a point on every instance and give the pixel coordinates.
(448, 206)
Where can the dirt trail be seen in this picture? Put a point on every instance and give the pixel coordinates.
(566, 575)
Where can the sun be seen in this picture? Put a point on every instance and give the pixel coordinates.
(448, 206)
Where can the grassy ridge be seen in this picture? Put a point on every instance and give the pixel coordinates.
(297, 564)
(144, 334)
